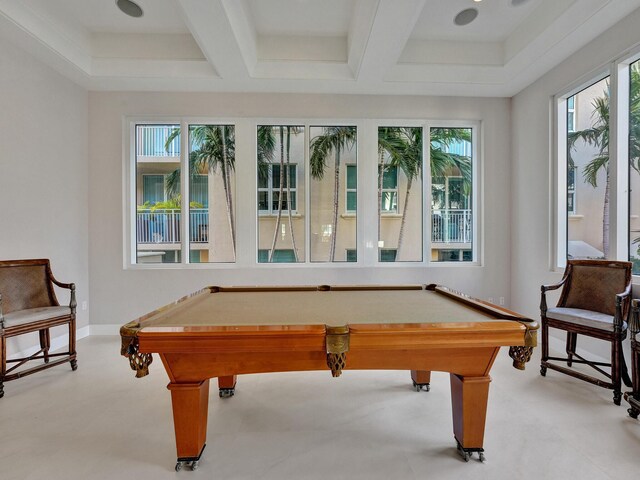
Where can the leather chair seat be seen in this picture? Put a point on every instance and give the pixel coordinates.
(587, 318)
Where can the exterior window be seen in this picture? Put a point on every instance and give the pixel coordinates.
(352, 188)
(571, 114)
(158, 207)
(388, 254)
(212, 193)
(160, 222)
(634, 166)
(281, 209)
(389, 192)
(571, 190)
(399, 192)
(331, 150)
(352, 255)
(587, 173)
(153, 189)
(279, 256)
(451, 194)
(269, 190)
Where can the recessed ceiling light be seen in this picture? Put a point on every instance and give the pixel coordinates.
(130, 8)
(465, 17)
(517, 3)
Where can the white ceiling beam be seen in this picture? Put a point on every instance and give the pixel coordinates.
(65, 50)
(213, 32)
(380, 32)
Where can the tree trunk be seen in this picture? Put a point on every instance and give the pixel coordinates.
(605, 220)
(289, 204)
(380, 180)
(404, 217)
(336, 193)
(226, 181)
(279, 218)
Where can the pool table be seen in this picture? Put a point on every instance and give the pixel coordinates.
(227, 331)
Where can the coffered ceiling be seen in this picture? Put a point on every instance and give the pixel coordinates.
(310, 46)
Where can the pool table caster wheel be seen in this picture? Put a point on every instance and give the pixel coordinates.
(227, 392)
(421, 386)
(466, 453)
(191, 462)
(193, 465)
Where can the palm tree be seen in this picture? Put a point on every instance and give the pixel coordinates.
(333, 140)
(213, 149)
(410, 161)
(598, 136)
(285, 179)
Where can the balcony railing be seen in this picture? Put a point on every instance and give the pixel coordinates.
(163, 226)
(451, 226)
(151, 141)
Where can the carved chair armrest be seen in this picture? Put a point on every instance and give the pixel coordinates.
(543, 297)
(620, 299)
(69, 286)
(634, 317)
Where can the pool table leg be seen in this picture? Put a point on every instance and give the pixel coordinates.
(469, 397)
(190, 409)
(421, 379)
(227, 386)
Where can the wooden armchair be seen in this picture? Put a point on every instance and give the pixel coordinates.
(594, 302)
(28, 304)
(633, 397)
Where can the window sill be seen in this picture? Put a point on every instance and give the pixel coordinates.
(575, 217)
(348, 215)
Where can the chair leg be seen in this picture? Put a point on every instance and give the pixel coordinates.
(616, 353)
(45, 343)
(3, 363)
(545, 347)
(572, 340)
(72, 343)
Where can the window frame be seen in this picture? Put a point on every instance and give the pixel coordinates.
(618, 72)
(270, 189)
(246, 227)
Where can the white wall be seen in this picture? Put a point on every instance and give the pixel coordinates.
(532, 167)
(43, 173)
(119, 295)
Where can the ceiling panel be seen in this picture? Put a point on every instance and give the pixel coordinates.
(328, 18)
(496, 20)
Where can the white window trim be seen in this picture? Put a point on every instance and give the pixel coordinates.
(246, 181)
(618, 72)
(270, 191)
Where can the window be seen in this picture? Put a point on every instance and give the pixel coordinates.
(634, 166)
(158, 208)
(332, 149)
(571, 114)
(352, 189)
(400, 194)
(452, 181)
(159, 222)
(587, 154)
(211, 193)
(279, 256)
(281, 210)
(571, 190)
(307, 188)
